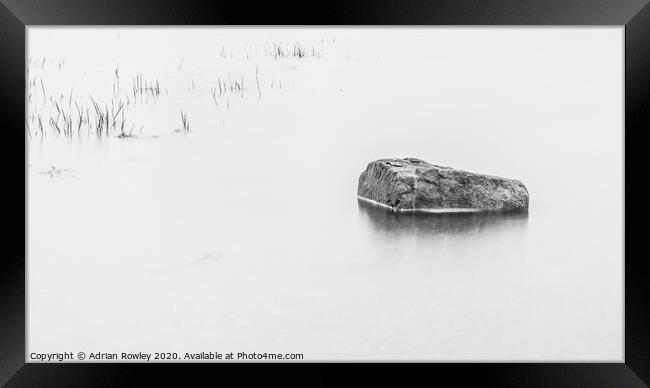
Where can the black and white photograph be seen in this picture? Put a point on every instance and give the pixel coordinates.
(430, 193)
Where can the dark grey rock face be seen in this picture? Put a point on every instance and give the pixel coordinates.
(412, 184)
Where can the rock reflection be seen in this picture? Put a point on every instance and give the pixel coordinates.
(383, 220)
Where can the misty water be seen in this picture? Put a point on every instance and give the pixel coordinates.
(245, 233)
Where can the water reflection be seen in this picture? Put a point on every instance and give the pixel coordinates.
(383, 220)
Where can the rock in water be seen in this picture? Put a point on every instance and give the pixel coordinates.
(411, 184)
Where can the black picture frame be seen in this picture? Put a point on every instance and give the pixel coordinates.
(15, 15)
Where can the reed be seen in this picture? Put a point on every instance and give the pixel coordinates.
(297, 50)
(185, 122)
(143, 88)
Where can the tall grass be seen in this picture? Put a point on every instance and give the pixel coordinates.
(67, 113)
(143, 88)
(297, 50)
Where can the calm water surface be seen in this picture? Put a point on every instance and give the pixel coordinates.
(246, 234)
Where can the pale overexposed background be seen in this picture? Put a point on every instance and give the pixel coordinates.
(245, 234)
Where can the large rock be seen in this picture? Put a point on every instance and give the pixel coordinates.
(411, 184)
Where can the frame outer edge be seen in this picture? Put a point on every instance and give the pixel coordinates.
(12, 274)
(637, 121)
